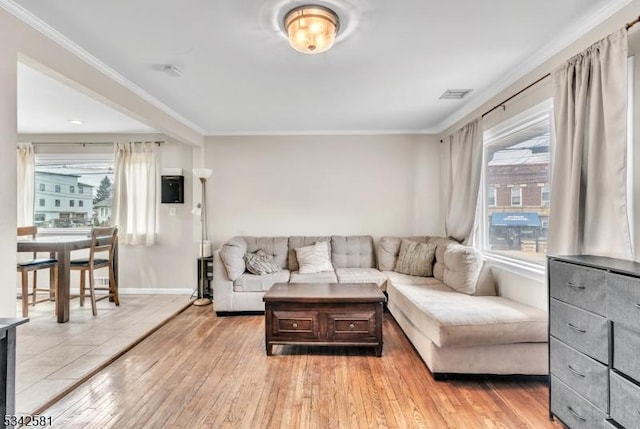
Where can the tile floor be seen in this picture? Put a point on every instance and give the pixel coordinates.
(53, 356)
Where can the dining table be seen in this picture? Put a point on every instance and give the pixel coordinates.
(60, 247)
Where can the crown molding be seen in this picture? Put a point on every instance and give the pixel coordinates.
(320, 133)
(544, 54)
(42, 27)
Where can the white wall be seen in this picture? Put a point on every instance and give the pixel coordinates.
(169, 266)
(8, 140)
(322, 185)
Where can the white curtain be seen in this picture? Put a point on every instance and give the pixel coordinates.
(26, 184)
(589, 177)
(134, 192)
(462, 165)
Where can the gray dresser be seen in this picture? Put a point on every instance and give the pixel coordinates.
(594, 341)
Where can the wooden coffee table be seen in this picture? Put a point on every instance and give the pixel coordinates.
(324, 314)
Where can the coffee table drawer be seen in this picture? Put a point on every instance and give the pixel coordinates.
(295, 324)
(352, 326)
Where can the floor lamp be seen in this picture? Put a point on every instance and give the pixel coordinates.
(202, 174)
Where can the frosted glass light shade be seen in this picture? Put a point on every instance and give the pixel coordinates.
(311, 29)
(202, 173)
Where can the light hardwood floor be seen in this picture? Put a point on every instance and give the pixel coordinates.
(52, 357)
(201, 371)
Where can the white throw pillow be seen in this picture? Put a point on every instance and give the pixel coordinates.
(314, 258)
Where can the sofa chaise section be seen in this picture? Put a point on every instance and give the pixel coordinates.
(454, 332)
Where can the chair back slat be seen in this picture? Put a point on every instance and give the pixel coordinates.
(97, 235)
(28, 230)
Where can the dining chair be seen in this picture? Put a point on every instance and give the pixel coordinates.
(34, 265)
(103, 244)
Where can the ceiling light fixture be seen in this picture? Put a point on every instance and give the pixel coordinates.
(75, 121)
(311, 29)
(173, 70)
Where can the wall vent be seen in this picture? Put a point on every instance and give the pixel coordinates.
(455, 94)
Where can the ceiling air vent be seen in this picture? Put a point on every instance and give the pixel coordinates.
(451, 94)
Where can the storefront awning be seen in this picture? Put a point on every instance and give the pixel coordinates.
(515, 219)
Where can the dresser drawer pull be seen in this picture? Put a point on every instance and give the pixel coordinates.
(295, 325)
(575, 328)
(637, 305)
(351, 325)
(579, 374)
(576, 415)
(574, 286)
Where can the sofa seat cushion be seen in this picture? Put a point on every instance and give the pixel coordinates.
(406, 279)
(248, 282)
(453, 319)
(361, 275)
(321, 277)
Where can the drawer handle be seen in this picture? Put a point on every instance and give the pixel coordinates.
(295, 325)
(574, 286)
(575, 328)
(576, 415)
(579, 374)
(637, 305)
(351, 325)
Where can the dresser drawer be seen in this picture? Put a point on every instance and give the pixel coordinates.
(581, 286)
(573, 409)
(625, 401)
(626, 350)
(623, 300)
(584, 375)
(584, 331)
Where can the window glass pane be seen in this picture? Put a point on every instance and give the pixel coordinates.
(64, 174)
(517, 191)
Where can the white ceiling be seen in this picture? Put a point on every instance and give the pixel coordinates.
(385, 74)
(46, 105)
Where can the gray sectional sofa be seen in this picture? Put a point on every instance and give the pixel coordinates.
(454, 319)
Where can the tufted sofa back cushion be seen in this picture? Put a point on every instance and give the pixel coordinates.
(233, 251)
(301, 241)
(355, 251)
(389, 249)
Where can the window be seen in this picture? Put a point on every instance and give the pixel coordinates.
(90, 174)
(516, 196)
(38, 218)
(545, 196)
(41, 202)
(42, 187)
(491, 196)
(516, 164)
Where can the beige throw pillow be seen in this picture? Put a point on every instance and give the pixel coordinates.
(314, 258)
(416, 259)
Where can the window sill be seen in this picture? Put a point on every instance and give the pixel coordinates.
(529, 270)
